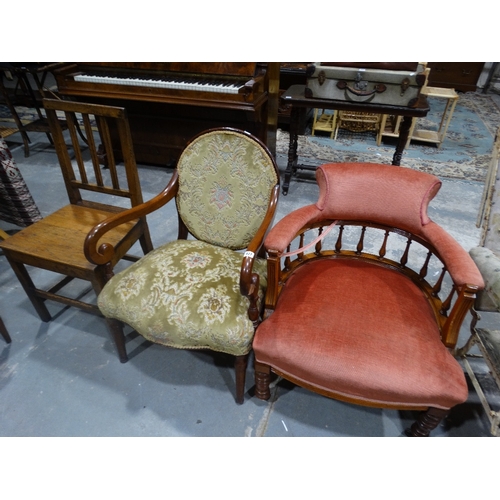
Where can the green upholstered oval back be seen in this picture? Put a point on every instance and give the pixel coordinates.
(225, 182)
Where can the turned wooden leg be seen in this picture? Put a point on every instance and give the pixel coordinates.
(116, 330)
(262, 380)
(426, 422)
(404, 132)
(240, 366)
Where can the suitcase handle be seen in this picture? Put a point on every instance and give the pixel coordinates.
(378, 89)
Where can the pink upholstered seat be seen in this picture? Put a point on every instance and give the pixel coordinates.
(341, 342)
(365, 317)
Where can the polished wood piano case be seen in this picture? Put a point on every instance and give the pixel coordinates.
(168, 103)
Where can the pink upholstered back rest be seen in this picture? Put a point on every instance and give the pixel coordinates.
(395, 196)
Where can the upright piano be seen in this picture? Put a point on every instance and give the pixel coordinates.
(168, 103)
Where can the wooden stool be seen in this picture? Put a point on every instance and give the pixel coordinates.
(325, 123)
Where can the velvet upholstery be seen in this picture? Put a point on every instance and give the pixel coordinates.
(384, 352)
(400, 198)
(360, 316)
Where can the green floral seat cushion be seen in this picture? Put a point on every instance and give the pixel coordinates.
(488, 264)
(185, 294)
(225, 183)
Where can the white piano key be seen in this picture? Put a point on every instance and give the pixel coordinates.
(179, 85)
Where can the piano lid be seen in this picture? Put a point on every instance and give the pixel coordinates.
(243, 69)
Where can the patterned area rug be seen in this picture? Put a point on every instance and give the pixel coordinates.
(464, 154)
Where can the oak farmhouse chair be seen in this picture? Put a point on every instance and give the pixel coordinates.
(204, 290)
(56, 242)
(353, 308)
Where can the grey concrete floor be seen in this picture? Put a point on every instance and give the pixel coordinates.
(63, 378)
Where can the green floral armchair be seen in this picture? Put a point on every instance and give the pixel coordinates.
(205, 289)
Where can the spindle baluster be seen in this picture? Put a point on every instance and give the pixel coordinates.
(437, 287)
(404, 257)
(383, 248)
(361, 241)
(338, 244)
(425, 267)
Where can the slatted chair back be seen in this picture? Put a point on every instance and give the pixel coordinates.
(56, 243)
(104, 134)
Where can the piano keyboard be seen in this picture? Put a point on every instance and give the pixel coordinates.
(176, 83)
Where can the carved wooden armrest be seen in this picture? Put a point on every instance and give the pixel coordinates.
(104, 253)
(249, 281)
(462, 305)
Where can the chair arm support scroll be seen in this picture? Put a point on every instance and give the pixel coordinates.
(249, 281)
(464, 302)
(101, 254)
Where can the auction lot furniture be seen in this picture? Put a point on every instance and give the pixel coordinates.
(204, 292)
(366, 295)
(391, 124)
(28, 92)
(56, 242)
(294, 98)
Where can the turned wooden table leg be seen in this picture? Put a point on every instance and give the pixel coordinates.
(404, 131)
(292, 149)
(426, 422)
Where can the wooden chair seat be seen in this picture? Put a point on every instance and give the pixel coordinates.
(58, 240)
(369, 336)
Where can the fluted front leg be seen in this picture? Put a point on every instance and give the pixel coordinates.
(262, 381)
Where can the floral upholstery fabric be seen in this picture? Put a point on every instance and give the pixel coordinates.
(225, 182)
(185, 294)
(488, 264)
